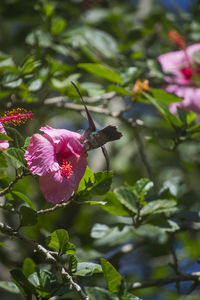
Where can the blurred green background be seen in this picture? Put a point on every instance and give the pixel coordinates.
(42, 46)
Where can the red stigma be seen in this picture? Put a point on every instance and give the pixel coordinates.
(177, 38)
(187, 72)
(66, 169)
(16, 116)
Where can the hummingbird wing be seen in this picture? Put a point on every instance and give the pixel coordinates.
(109, 133)
(92, 126)
(105, 153)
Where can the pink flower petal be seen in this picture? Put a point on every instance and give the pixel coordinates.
(3, 144)
(178, 64)
(172, 61)
(191, 100)
(192, 49)
(41, 156)
(58, 189)
(55, 188)
(47, 155)
(60, 137)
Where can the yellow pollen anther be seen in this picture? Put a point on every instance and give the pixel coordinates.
(66, 169)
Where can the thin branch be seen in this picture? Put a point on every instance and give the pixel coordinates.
(79, 107)
(174, 264)
(55, 100)
(8, 188)
(9, 208)
(141, 150)
(192, 287)
(47, 254)
(54, 208)
(164, 281)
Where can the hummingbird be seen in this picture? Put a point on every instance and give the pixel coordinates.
(93, 138)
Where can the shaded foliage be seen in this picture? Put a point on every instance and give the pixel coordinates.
(131, 233)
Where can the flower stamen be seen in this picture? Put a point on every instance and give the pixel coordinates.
(177, 38)
(16, 116)
(66, 169)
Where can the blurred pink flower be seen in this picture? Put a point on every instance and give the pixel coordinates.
(3, 144)
(59, 158)
(181, 65)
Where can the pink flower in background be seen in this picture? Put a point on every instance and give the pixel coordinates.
(181, 65)
(59, 158)
(3, 144)
(16, 116)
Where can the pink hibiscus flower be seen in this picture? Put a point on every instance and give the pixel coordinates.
(59, 158)
(181, 65)
(3, 144)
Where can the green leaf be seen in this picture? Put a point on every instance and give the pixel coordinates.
(28, 267)
(129, 296)
(43, 280)
(29, 65)
(93, 89)
(3, 161)
(87, 269)
(26, 288)
(151, 233)
(164, 96)
(156, 233)
(98, 42)
(95, 15)
(17, 157)
(40, 38)
(34, 279)
(18, 139)
(118, 89)
(112, 277)
(62, 84)
(102, 182)
(142, 187)
(28, 217)
(87, 180)
(7, 63)
(49, 9)
(13, 82)
(127, 198)
(99, 231)
(4, 137)
(96, 293)
(27, 141)
(35, 85)
(164, 111)
(91, 202)
(114, 206)
(24, 198)
(59, 240)
(182, 114)
(158, 206)
(9, 286)
(190, 117)
(101, 71)
(71, 249)
(111, 236)
(196, 56)
(129, 75)
(154, 68)
(73, 262)
(58, 25)
(95, 183)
